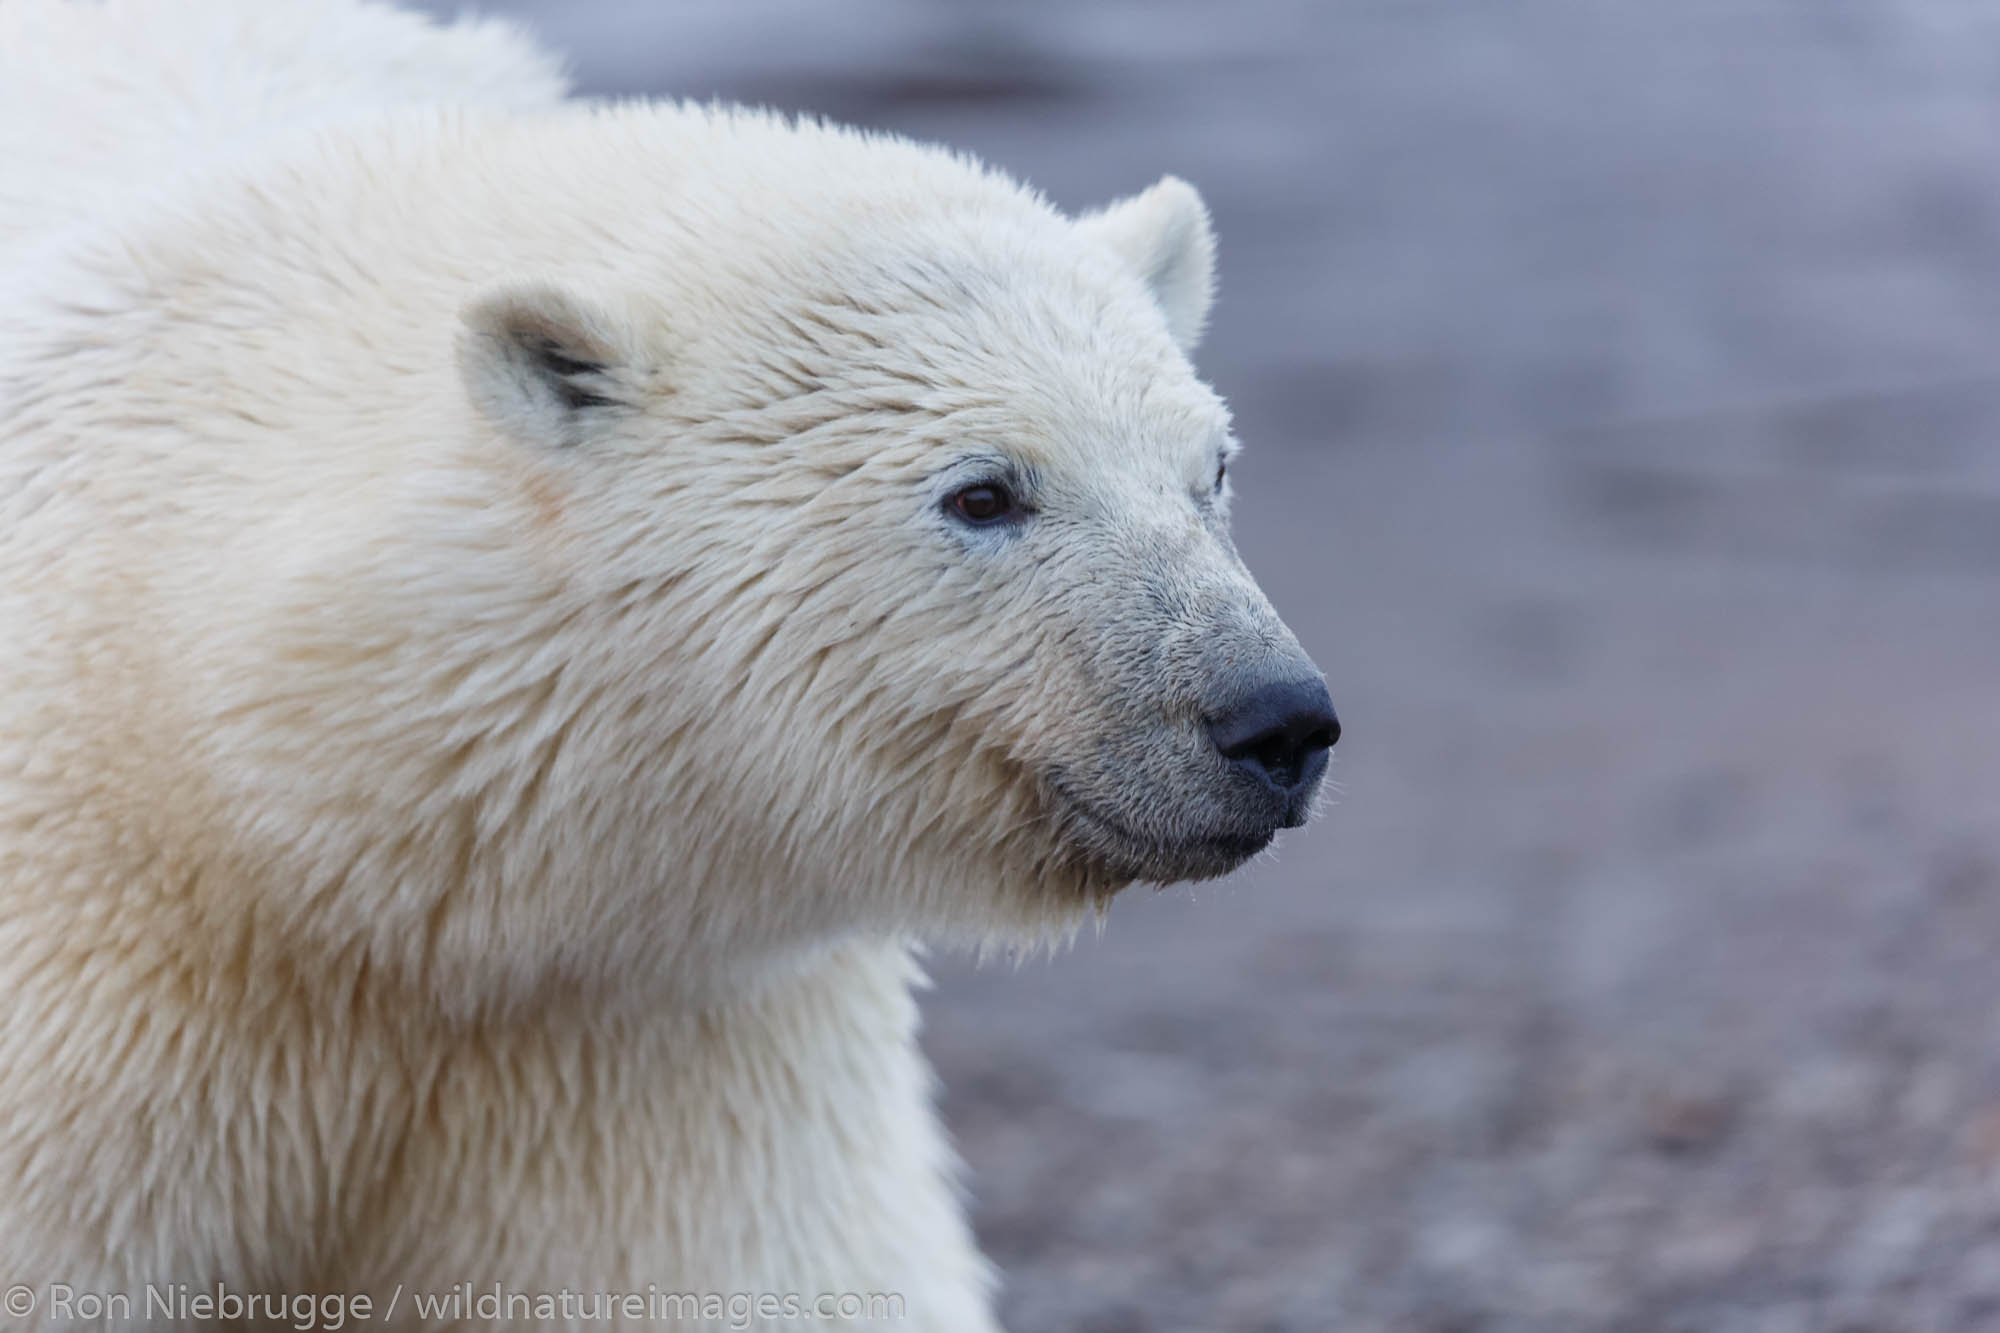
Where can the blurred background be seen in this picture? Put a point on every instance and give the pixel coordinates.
(1621, 386)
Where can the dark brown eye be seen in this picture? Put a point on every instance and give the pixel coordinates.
(983, 503)
(1221, 471)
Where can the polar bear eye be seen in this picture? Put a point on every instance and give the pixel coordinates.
(987, 502)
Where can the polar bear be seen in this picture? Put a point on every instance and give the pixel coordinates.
(515, 618)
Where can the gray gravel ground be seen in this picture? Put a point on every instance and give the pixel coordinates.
(1621, 380)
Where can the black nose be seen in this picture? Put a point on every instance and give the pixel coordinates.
(1279, 733)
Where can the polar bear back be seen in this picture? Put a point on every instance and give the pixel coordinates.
(101, 102)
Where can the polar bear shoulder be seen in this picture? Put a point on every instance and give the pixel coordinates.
(100, 101)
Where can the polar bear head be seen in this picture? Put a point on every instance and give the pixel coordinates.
(892, 530)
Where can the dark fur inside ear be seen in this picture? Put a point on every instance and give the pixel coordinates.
(569, 376)
(542, 365)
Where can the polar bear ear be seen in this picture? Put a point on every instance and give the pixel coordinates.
(1163, 233)
(542, 365)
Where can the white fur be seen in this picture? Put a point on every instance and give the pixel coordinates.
(97, 100)
(1164, 234)
(446, 836)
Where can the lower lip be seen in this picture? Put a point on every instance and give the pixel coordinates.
(1229, 845)
(1243, 844)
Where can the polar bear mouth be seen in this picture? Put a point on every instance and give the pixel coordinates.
(1128, 854)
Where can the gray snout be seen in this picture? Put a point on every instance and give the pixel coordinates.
(1277, 736)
